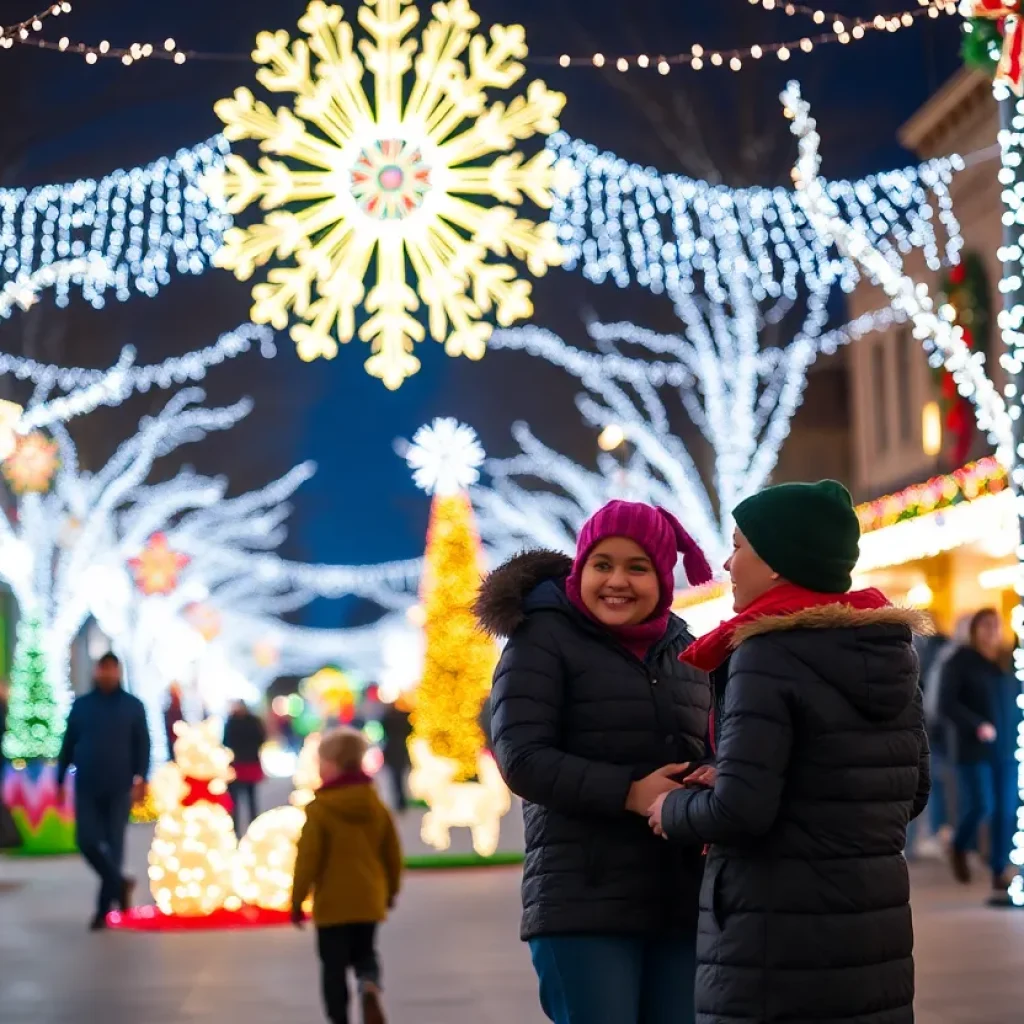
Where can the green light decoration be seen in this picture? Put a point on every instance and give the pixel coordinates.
(34, 722)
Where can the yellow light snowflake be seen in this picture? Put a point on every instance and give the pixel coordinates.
(399, 178)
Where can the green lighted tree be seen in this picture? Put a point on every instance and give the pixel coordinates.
(34, 728)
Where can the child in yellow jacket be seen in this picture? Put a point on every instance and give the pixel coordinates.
(349, 856)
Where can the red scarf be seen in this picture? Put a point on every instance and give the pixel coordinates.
(712, 649)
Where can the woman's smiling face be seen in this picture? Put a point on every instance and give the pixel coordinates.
(619, 586)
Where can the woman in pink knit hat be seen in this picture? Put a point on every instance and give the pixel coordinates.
(593, 716)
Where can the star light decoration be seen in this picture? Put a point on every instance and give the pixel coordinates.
(408, 181)
(29, 468)
(445, 457)
(157, 567)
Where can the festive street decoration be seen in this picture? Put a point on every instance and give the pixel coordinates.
(966, 294)
(44, 815)
(34, 722)
(391, 183)
(157, 567)
(994, 40)
(331, 692)
(191, 857)
(141, 224)
(936, 330)
(478, 806)
(841, 29)
(266, 855)
(29, 469)
(459, 658)
(973, 481)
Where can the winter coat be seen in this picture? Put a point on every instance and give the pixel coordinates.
(972, 691)
(397, 730)
(576, 719)
(822, 762)
(244, 736)
(107, 741)
(348, 856)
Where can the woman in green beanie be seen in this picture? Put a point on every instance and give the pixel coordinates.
(822, 761)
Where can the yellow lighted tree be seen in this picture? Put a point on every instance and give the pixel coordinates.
(459, 658)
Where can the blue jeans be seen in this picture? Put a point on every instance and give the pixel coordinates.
(988, 791)
(615, 979)
(100, 823)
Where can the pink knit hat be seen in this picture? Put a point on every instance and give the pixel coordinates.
(657, 531)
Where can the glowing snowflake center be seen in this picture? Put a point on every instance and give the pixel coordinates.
(390, 179)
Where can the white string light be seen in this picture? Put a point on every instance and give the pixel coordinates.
(135, 227)
(92, 388)
(839, 29)
(936, 330)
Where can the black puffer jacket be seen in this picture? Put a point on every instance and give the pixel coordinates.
(822, 762)
(575, 720)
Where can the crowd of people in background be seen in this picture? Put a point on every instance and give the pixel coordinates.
(971, 695)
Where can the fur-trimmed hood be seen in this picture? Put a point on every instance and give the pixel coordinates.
(501, 605)
(836, 616)
(867, 654)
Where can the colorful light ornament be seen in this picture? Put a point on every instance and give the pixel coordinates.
(30, 467)
(995, 36)
(391, 183)
(157, 567)
(204, 619)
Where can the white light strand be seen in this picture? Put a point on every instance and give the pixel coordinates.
(631, 223)
(92, 388)
(936, 331)
(621, 221)
(1011, 327)
(135, 226)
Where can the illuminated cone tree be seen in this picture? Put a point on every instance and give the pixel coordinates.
(459, 658)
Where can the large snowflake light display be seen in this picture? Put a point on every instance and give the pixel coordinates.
(399, 177)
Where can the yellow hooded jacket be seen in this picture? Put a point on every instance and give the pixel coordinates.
(348, 855)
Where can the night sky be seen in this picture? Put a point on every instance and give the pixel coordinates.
(63, 119)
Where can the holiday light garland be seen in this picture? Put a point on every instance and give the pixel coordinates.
(135, 227)
(936, 331)
(968, 483)
(844, 30)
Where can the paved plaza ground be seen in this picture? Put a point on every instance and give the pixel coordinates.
(451, 955)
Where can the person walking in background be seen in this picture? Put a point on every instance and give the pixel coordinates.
(822, 760)
(397, 730)
(978, 697)
(244, 736)
(173, 714)
(592, 717)
(107, 741)
(350, 858)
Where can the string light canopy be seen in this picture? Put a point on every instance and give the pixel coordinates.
(842, 29)
(838, 28)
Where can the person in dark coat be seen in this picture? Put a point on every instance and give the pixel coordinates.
(173, 714)
(978, 697)
(244, 736)
(107, 741)
(822, 761)
(593, 716)
(397, 730)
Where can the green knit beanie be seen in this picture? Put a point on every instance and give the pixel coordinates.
(807, 533)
